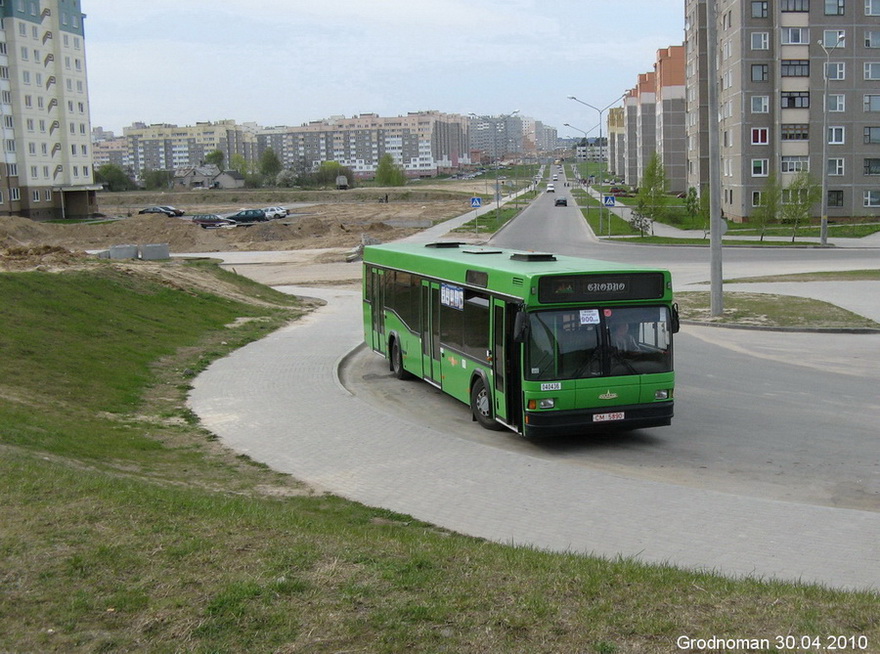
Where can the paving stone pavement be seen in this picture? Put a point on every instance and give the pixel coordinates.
(279, 401)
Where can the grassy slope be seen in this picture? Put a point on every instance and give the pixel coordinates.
(125, 527)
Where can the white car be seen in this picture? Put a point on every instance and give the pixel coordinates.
(275, 212)
(551, 188)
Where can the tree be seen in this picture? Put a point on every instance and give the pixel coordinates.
(650, 200)
(286, 179)
(798, 200)
(114, 178)
(216, 158)
(157, 179)
(388, 173)
(270, 164)
(768, 209)
(239, 164)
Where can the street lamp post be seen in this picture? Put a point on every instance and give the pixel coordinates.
(601, 206)
(601, 111)
(823, 221)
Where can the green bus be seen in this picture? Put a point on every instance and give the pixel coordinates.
(535, 342)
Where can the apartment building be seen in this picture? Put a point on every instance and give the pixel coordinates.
(46, 171)
(169, 147)
(423, 143)
(670, 116)
(799, 90)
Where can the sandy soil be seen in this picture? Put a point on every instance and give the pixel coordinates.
(325, 232)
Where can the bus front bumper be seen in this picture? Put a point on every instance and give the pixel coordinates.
(587, 421)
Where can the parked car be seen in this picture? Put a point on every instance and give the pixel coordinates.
(168, 211)
(248, 216)
(275, 212)
(212, 221)
(561, 202)
(174, 210)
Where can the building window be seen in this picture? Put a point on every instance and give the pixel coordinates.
(794, 5)
(872, 135)
(760, 8)
(835, 7)
(835, 198)
(836, 135)
(834, 38)
(836, 102)
(757, 196)
(872, 198)
(795, 132)
(835, 70)
(48, 194)
(872, 38)
(795, 99)
(795, 164)
(872, 7)
(795, 68)
(760, 104)
(760, 136)
(35, 196)
(872, 70)
(760, 167)
(760, 41)
(872, 103)
(795, 35)
(872, 166)
(760, 72)
(15, 194)
(834, 167)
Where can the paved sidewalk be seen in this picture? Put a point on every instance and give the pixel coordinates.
(279, 401)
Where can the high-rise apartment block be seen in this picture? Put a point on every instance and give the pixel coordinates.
(46, 171)
(799, 90)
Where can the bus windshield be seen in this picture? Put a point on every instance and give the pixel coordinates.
(595, 342)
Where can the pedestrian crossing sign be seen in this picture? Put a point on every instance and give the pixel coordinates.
(608, 200)
(476, 203)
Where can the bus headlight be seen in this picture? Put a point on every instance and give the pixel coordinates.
(544, 403)
(662, 394)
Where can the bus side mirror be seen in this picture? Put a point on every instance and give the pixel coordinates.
(520, 327)
(675, 323)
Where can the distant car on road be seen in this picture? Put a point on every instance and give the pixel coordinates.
(551, 188)
(275, 212)
(212, 221)
(168, 211)
(561, 202)
(248, 216)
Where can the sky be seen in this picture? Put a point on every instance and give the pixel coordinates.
(288, 62)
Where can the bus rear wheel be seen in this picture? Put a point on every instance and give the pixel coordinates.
(397, 361)
(481, 406)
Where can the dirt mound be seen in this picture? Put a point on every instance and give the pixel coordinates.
(337, 225)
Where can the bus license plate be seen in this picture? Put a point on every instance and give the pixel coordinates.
(607, 417)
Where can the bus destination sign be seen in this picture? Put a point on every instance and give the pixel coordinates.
(600, 288)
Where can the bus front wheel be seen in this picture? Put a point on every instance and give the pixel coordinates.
(481, 406)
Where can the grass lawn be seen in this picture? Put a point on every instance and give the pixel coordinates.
(127, 527)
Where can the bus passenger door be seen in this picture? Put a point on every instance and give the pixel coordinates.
(505, 373)
(377, 295)
(430, 310)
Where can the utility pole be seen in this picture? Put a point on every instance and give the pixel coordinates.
(716, 226)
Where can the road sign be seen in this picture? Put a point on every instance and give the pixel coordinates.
(476, 203)
(608, 200)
